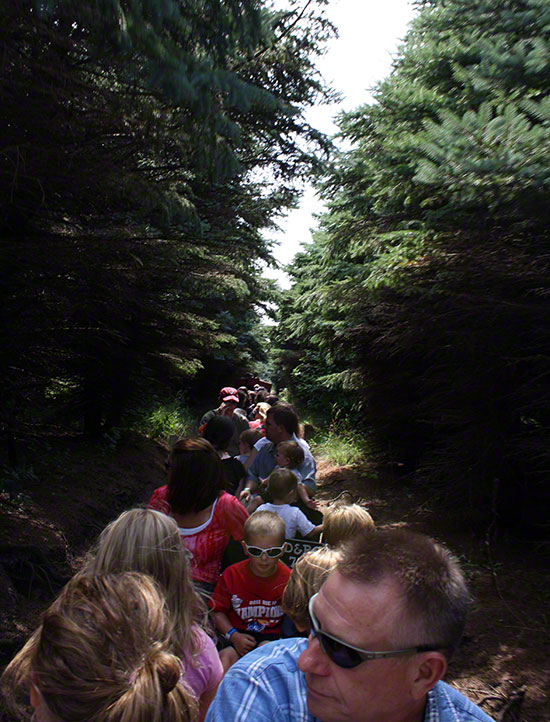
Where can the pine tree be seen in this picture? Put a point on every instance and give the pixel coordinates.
(440, 212)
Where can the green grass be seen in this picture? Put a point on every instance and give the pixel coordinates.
(340, 444)
(163, 419)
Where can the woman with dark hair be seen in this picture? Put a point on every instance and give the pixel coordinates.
(206, 515)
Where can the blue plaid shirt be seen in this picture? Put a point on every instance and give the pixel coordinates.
(267, 686)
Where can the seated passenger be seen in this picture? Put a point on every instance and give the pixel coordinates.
(281, 488)
(306, 578)
(383, 626)
(206, 515)
(342, 521)
(102, 653)
(147, 541)
(247, 599)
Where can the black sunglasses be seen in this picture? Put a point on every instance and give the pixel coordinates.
(346, 655)
(272, 552)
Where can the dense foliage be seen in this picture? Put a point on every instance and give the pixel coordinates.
(145, 146)
(428, 289)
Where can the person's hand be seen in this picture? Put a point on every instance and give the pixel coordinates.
(245, 496)
(312, 504)
(242, 642)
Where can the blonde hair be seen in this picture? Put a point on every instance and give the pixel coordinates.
(264, 523)
(147, 541)
(343, 521)
(261, 409)
(308, 574)
(101, 655)
(293, 452)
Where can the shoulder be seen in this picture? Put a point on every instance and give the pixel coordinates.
(228, 502)
(281, 656)
(447, 704)
(264, 685)
(261, 443)
(158, 500)
(303, 443)
(205, 418)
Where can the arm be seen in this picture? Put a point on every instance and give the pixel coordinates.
(251, 484)
(242, 642)
(235, 516)
(314, 532)
(253, 454)
(205, 700)
(304, 496)
(306, 528)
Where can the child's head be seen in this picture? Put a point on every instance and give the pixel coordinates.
(342, 521)
(308, 574)
(247, 439)
(289, 454)
(146, 541)
(102, 653)
(264, 530)
(260, 410)
(219, 431)
(282, 484)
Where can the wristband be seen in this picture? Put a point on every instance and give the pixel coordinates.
(229, 633)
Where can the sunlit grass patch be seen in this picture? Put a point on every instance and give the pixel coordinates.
(339, 444)
(166, 419)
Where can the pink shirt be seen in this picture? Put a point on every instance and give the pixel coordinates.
(207, 542)
(204, 672)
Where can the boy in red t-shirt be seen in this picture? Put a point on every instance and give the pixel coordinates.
(247, 598)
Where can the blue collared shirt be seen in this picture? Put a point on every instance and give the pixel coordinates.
(267, 686)
(264, 463)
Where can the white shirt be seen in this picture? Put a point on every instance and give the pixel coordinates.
(293, 518)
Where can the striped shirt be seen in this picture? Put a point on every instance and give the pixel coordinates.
(264, 686)
(267, 686)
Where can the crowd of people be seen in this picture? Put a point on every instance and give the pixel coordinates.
(158, 625)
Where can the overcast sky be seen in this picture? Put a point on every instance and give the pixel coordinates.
(369, 35)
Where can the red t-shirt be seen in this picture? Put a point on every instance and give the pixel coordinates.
(251, 603)
(207, 542)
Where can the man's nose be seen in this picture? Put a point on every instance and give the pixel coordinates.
(313, 660)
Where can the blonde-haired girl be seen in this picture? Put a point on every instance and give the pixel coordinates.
(102, 654)
(307, 576)
(144, 540)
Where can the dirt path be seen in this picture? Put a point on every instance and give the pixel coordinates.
(78, 488)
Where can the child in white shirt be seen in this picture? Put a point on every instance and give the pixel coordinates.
(282, 485)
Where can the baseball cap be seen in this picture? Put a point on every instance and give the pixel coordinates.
(228, 393)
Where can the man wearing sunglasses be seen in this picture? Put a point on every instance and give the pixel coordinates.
(382, 628)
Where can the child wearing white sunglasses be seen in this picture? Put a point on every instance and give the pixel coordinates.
(247, 599)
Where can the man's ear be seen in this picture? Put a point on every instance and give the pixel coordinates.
(244, 548)
(429, 668)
